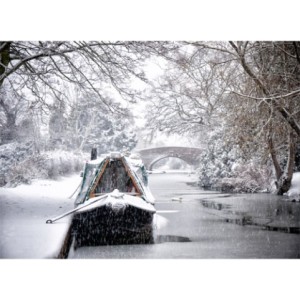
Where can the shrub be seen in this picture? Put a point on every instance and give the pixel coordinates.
(20, 163)
(248, 178)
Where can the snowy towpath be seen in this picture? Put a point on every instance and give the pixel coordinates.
(23, 214)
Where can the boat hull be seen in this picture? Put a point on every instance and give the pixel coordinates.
(106, 225)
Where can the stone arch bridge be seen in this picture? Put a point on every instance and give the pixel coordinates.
(151, 156)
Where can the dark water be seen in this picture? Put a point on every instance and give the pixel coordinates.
(268, 212)
(192, 223)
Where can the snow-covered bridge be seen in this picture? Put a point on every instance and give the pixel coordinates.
(151, 156)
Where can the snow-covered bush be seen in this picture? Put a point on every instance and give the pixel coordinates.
(21, 163)
(12, 161)
(217, 161)
(57, 163)
(248, 178)
(223, 167)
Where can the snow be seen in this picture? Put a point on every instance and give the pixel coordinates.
(25, 209)
(23, 214)
(138, 202)
(294, 191)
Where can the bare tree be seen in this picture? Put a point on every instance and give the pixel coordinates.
(12, 110)
(103, 69)
(253, 87)
(82, 63)
(188, 98)
(274, 70)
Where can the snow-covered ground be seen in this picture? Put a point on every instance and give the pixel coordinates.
(294, 191)
(23, 214)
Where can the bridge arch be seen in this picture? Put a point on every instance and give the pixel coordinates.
(156, 160)
(152, 155)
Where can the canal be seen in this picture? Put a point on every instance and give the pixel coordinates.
(195, 223)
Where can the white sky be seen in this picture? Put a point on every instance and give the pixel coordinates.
(153, 69)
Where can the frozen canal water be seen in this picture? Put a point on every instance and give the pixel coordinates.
(193, 223)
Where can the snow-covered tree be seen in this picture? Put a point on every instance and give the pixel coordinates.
(252, 87)
(273, 72)
(92, 125)
(41, 65)
(39, 72)
(188, 96)
(18, 120)
(57, 125)
(218, 160)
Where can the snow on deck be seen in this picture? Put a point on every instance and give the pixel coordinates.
(23, 214)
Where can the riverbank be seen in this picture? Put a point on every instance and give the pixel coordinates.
(23, 214)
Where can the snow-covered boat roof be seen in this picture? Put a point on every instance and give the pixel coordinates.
(126, 199)
(134, 166)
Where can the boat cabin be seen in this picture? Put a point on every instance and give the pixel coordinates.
(115, 175)
(112, 172)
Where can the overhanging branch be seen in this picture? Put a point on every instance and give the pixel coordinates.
(270, 98)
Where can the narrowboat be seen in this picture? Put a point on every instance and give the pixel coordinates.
(114, 204)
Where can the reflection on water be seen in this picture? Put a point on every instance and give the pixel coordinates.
(170, 239)
(279, 216)
(215, 205)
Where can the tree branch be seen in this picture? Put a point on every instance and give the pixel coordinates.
(297, 53)
(268, 98)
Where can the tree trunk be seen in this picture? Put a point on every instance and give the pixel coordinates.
(9, 128)
(4, 58)
(285, 181)
(276, 164)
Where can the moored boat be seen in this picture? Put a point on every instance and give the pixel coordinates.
(114, 204)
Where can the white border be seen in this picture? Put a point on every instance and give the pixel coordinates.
(150, 20)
